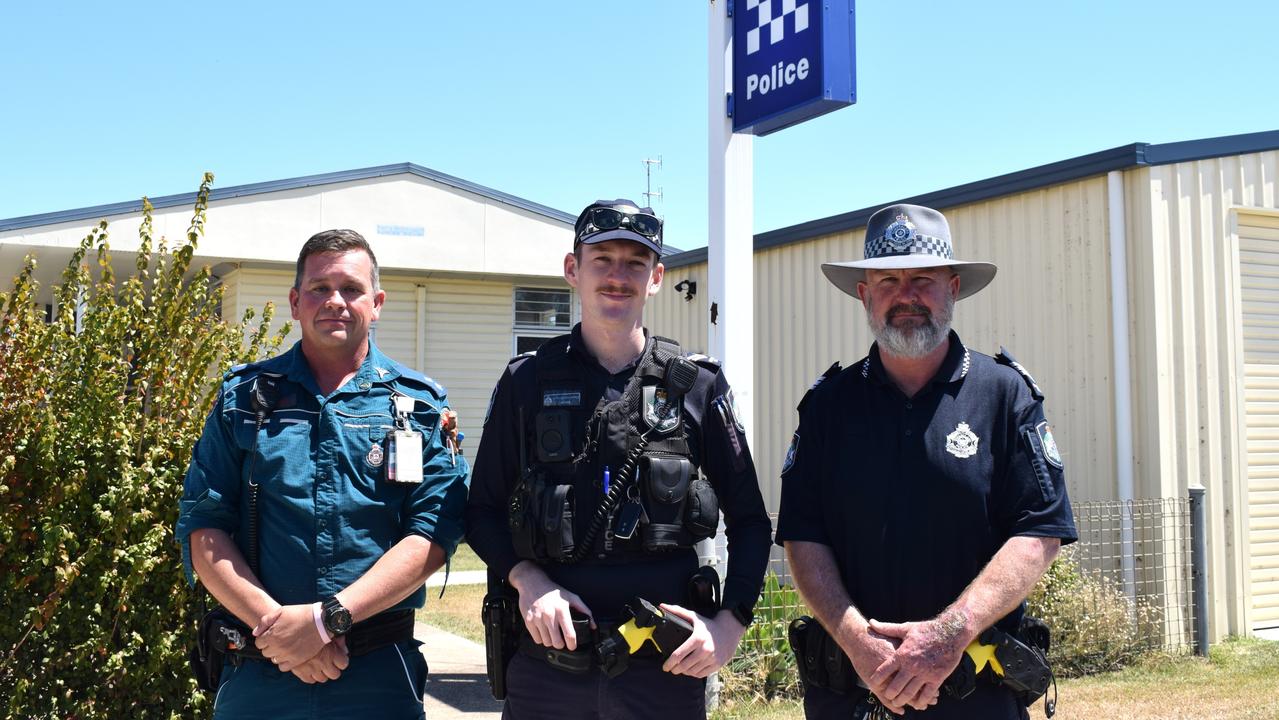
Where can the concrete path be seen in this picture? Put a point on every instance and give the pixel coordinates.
(456, 687)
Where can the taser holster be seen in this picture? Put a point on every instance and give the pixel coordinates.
(648, 628)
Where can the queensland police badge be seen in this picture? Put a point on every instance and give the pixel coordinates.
(659, 413)
(962, 442)
(901, 233)
(375, 456)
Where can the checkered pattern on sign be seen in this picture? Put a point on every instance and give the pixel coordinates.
(775, 22)
(920, 245)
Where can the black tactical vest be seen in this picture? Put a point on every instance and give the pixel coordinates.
(614, 481)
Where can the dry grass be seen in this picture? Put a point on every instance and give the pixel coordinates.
(1239, 682)
(466, 559)
(457, 612)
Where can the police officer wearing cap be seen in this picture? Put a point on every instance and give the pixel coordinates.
(324, 491)
(923, 495)
(603, 458)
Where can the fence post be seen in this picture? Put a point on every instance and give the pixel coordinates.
(1199, 567)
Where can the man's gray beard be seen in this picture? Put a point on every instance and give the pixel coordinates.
(916, 341)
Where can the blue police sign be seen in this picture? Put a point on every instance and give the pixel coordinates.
(792, 60)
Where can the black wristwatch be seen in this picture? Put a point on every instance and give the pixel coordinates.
(337, 619)
(744, 614)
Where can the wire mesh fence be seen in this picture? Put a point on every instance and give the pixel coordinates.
(1131, 568)
(1140, 550)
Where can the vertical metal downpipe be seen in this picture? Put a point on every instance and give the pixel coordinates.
(1199, 567)
(1123, 373)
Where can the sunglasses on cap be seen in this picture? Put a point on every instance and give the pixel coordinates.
(601, 218)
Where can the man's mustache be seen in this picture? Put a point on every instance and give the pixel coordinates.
(904, 309)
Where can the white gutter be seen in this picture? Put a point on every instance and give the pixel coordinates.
(1123, 370)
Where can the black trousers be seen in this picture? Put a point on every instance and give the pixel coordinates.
(537, 691)
(987, 702)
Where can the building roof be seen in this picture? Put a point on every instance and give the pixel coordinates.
(1119, 158)
(185, 199)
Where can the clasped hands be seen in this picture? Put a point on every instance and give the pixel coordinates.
(905, 664)
(288, 637)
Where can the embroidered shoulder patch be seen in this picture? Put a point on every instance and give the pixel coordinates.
(1051, 453)
(791, 453)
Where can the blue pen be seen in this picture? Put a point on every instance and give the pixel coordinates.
(605, 479)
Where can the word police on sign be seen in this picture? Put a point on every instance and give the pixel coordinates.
(792, 60)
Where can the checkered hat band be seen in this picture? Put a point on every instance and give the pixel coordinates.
(920, 245)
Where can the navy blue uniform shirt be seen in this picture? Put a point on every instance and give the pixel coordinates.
(327, 511)
(915, 495)
(718, 448)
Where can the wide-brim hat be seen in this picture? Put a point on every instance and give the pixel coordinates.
(901, 237)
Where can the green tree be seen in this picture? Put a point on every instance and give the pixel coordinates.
(98, 416)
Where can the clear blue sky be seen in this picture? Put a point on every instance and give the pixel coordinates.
(559, 102)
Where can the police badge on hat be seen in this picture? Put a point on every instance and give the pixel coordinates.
(962, 442)
(901, 233)
(659, 413)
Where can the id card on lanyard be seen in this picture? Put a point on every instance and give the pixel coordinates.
(404, 446)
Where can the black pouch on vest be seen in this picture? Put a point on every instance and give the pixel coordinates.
(523, 517)
(701, 510)
(665, 487)
(557, 521)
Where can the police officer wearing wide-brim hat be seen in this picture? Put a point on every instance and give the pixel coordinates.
(923, 494)
(603, 457)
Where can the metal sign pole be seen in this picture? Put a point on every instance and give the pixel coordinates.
(731, 327)
(730, 251)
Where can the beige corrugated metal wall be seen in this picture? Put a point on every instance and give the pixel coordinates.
(1188, 364)
(670, 315)
(1259, 282)
(468, 343)
(1051, 248)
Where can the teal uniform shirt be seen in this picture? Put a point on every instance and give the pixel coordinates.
(327, 512)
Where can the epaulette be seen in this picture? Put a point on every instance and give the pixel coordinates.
(831, 371)
(240, 369)
(521, 356)
(1003, 358)
(705, 361)
(409, 373)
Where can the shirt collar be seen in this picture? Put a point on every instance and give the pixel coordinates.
(376, 368)
(954, 367)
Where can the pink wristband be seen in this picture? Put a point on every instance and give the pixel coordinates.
(319, 624)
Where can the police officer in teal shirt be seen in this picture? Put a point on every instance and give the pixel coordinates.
(352, 516)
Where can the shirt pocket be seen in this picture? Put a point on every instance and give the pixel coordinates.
(364, 446)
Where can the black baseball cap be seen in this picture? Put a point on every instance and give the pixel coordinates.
(619, 219)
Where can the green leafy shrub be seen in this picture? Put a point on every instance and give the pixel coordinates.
(1095, 626)
(764, 667)
(98, 415)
